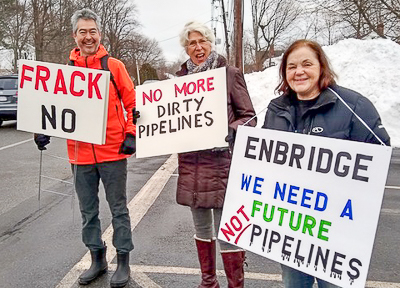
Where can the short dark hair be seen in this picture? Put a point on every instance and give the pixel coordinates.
(85, 14)
(327, 76)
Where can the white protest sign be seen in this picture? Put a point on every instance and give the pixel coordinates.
(63, 101)
(308, 202)
(183, 114)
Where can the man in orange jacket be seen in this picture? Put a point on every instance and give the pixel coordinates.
(92, 163)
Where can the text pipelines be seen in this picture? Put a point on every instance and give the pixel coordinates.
(186, 114)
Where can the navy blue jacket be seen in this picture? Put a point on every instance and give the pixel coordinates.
(329, 117)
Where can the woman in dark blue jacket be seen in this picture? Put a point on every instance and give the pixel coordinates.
(312, 103)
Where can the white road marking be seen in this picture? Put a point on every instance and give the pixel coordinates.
(138, 207)
(138, 274)
(15, 144)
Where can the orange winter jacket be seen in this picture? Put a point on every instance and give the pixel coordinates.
(117, 125)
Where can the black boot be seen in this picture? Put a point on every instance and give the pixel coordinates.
(98, 267)
(121, 275)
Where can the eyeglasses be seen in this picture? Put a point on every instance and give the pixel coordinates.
(202, 42)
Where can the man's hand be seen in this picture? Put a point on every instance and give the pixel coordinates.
(136, 115)
(129, 145)
(41, 141)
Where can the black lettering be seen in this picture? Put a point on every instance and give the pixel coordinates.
(175, 108)
(250, 147)
(154, 128)
(275, 238)
(73, 120)
(52, 118)
(265, 239)
(310, 254)
(324, 258)
(281, 152)
(297, 255)
(208, 118)
(160, 111)
(141, 130)
(265, 151)
(198, 103)
(355, 269)
(162, 127)
(286, 244)
(358, 166)
(186, 101)
(337, 262)
(171, 130)
(296, 156)
(255, 232)
(197, 119)
(322, 152)
(346, 168)
(311, 160)
(187, 121)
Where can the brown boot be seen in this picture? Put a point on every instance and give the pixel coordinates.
(233, 265)
(206, 253)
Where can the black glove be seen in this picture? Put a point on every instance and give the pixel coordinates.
(231, 137)
(129, 145)
(136, 115)
(41, 141)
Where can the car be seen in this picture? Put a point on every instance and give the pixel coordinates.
(8, 97)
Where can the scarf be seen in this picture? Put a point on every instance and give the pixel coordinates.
(210, 63)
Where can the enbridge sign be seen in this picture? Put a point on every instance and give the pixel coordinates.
(183, 114)
(63, 101)
(308, 202)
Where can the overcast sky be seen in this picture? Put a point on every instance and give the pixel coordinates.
(164, 19)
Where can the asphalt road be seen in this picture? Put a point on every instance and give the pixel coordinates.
(41, 247)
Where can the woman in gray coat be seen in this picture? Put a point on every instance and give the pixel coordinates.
(203, 175)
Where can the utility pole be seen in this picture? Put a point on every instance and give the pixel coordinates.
(226, 31)
(213, 28)
(238, 38)
(138, 74)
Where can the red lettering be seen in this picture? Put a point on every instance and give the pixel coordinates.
(72, 85)
(93, 84)
(23, 76)
(184, 89)
(155, 95)
(145, 96)
(200, 83)
(150, 98)
(194, 88)
(242, 212)
(60, 83)
(210, 83)
(42, 78)
(227, 232)
(239, 223)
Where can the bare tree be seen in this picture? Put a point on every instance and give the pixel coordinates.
(271, 18)
(361, 17)
(15, 27)
(139, 50)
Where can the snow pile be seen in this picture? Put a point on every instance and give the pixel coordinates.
(370, 67)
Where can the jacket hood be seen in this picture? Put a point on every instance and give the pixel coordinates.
(75, 54)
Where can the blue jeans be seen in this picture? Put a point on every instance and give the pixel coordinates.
(206, 223)
(293, 278)
(113, 176)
